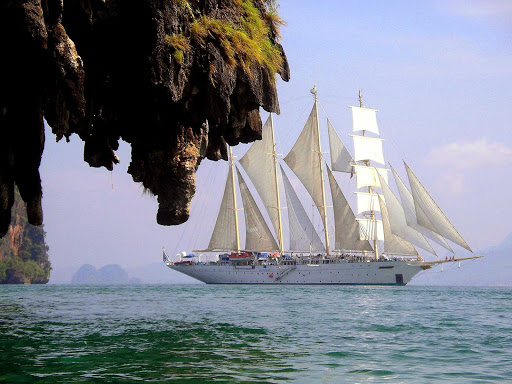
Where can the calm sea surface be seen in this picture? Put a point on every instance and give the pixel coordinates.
(255, 334)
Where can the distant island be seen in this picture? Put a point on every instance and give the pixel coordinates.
(23, 251)
(111, 274)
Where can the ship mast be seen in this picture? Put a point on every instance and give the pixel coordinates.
(370, 190)
(324, 207)
(235, 210)
(274, 155)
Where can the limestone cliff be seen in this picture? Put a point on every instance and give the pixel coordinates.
(177, 79)
(23, 252)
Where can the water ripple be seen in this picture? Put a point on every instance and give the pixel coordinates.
(240, 334)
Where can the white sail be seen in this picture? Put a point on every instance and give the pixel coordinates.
(346, 227)
(437, 218)
(364, 119)
(368, 228)
(257, 233)
(367, 202)
(341, 159)
(303, 236)
(224, 233)
(304, 159)
(368, 148)
(410, 214)
(393, 244)
(258, 162)
(399, 227)
(368, 176)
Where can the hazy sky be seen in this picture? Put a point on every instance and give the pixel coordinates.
(440, 75)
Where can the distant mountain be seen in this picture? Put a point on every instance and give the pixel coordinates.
(495, 269)
(154, 273)
(111, 274)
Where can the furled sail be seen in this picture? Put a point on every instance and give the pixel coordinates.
(258, 162)
(368, 176)
(257, 233)
(303, 237)
(304, 159)
(410, 214)
(393, 244)
(367, 202)
(364, 119)
(370, 229)
(341, 159)
(368, 148)
(396, 216)
(437, 218)
(224, 233)
(346, 227)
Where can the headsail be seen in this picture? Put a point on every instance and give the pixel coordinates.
(394, 244)
(410, 214)
(303, 236)
(258, 236)
(437, 218)
(258, 162)
(346, 227)
(398, 223)
(224, 233)
(341, 159)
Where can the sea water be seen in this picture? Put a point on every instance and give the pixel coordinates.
(255, 334)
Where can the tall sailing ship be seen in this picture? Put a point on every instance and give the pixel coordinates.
(355, 257)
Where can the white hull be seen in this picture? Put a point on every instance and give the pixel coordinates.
(343, 272)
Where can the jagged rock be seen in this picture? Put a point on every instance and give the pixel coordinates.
(105, 70)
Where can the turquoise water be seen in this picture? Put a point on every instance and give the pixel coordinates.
(255, 334)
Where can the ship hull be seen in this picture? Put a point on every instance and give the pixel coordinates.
(342, 273)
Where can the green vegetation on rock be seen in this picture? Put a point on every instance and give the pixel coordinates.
(23, 251)
(246, 40)
(180, 44)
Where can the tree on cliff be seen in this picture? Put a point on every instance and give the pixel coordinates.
(23, 252)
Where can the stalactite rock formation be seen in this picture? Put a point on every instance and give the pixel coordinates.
(107, 70)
